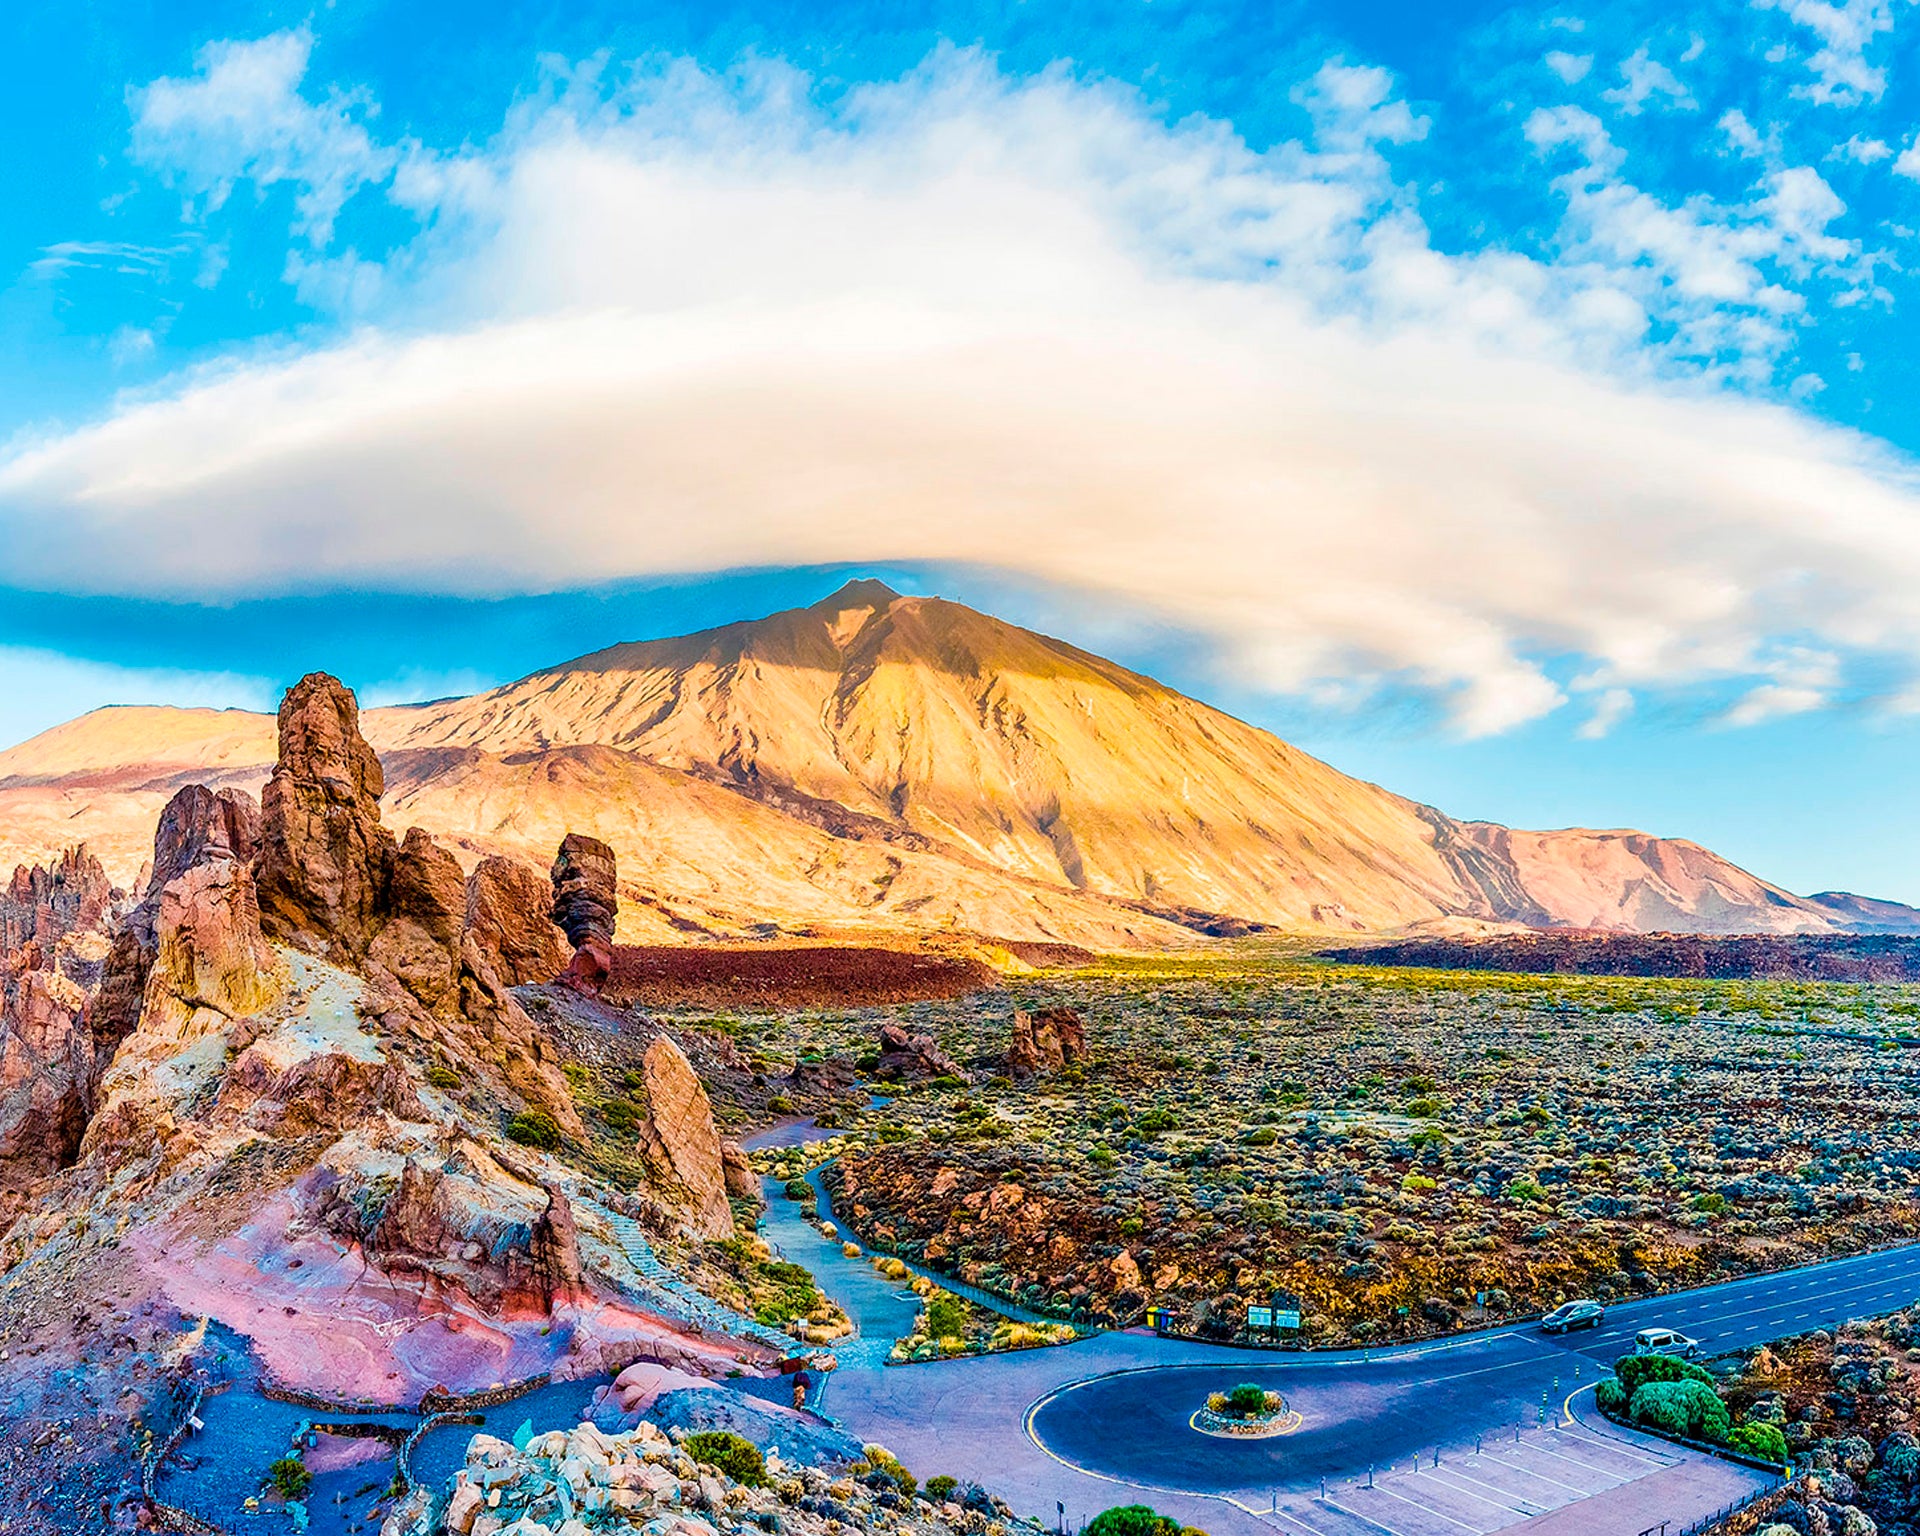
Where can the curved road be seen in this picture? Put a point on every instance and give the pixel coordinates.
(1507, 1413)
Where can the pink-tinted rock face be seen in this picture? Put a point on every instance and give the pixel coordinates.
(507, 916)
(682, 1142)
(325, 863)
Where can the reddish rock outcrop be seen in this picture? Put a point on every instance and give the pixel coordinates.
(586, 904)
(497, 1234)
(42, 905)
(212, 965)
(1045, 1041)
(908, 1058)
(198, 826)
(325, 863)
(507, 917)
(46, 1077)
(682, 1142)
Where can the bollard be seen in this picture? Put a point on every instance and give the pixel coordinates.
(1436, 1455)
(1369, 1474)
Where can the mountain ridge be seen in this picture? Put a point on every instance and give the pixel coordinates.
(877, 760)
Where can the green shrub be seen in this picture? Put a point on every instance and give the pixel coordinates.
(1131, 1520)
(534, 1128)
(1247, 1400)
(1610, 1396)
(727, 1452)
(941, 1488)
(946, 1316)
(888, 1464)
(288, 1478)
(1690, 1408)
(797, 1189)
(1635, 1371)
(1763, 1441)
(441, 1076)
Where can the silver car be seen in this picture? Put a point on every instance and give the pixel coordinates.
(1665, 1341)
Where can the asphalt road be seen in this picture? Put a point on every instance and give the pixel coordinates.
(1479, 1433)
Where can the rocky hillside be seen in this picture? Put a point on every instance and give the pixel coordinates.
(285, 1086)
(909, 763)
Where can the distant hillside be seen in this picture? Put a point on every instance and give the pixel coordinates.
(875, 761)
(1749, 957)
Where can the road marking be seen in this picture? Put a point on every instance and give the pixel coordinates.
(1275, 1515)
(1508, 1498)
(1363, 1519)
(1427, 1509)
(1542, 1477)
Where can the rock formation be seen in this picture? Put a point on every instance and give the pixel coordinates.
(586, 904)
(682, 1142)
(197, 826)
(43, 905)
(507, 916)
(325, 862)
(906, 1058)
(211, 965)
(1045, 1041)
(46, 1077)
(496, 1232)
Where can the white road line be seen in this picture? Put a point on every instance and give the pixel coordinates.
(1618, 1448)
(1509, 1499)
(1428, 1509)
(1542, 1477)
(1575, 1461)
(1275, 1516)
(1363, 1519)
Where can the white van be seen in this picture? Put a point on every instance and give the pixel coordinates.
(1664, 1341)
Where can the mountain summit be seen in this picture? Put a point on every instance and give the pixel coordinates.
(909, 762)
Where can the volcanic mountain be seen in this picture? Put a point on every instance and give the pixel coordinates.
(887, 762)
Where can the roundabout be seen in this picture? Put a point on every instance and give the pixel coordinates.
(1248, 1412)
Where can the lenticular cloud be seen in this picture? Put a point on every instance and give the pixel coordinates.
(691, 323)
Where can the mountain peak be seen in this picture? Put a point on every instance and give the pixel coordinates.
(861, 592)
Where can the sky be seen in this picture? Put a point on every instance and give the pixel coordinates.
(1512, 405)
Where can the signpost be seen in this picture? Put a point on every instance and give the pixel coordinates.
(1286, 1319)
(1262, 1317)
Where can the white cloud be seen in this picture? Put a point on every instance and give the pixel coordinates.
(1611, 707)
(1804, 680)
(685, 322)
(1908, 162)
(241, 116)
(1644, 79)
(1842, 75)
(1572, 68)
(1862, 150)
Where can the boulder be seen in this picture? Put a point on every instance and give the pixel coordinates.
(682, 1142)
(507, 907)
(742, 1182)
(586, 905)
(910, 1058)
(1045, 1041)
(325, 863)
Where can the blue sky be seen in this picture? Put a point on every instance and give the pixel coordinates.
(1511, 404)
